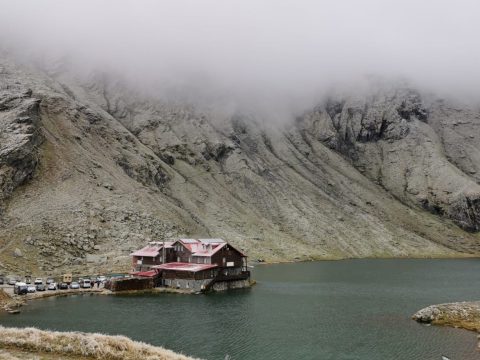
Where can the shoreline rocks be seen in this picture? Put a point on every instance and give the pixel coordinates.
(465, 315)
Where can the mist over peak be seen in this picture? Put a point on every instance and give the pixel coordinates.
(269, 52)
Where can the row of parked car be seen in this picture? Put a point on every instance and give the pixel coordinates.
(25, 287)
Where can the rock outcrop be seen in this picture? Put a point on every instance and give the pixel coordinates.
(20, 136)
(423, 151)
(465, 315)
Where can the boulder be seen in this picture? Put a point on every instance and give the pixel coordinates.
(17, 252)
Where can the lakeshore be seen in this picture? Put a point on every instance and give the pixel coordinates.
(314, 305)
(10, 302)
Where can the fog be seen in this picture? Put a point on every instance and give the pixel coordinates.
(270, 51)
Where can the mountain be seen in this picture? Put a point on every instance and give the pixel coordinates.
(92, 168)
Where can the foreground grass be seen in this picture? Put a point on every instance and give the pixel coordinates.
(84, 345)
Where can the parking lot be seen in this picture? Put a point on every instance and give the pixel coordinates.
(43, 287)
(39, 294)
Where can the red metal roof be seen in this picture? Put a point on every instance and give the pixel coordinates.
(147, 251)
(207, 250)
(205, 247)
(190, 267)
(150, 273)
(152, 249)
(198, 247)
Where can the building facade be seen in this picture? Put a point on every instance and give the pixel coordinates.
(155, 253)
(193, 264)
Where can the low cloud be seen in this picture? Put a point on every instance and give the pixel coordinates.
(280, 53)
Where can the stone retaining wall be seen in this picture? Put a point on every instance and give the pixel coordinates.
(227, 285)
(128, 284)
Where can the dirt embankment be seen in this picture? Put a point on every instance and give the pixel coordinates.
(24, 343)
(8, 303)
(465, 315)
(4, 297)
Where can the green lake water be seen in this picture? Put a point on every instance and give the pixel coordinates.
(352, 309)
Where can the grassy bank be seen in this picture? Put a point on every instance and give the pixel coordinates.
(80, 345)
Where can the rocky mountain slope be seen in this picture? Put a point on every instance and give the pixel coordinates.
(91, 169)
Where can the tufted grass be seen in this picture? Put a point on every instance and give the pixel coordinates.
(86, 345)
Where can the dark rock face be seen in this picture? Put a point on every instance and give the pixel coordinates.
(149, 172)
(399, 139)
(412, 107)
(465, 211)
(370, 119)
(217, 152)
(20, 137)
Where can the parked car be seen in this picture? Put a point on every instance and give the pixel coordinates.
(38, 281)
(50, 280)
(20, 288)
(31, 288)
(52, 286)
(102, 278)
(28, 280)
(1, 280)
(40, 287)
(63, 286)
(86, 283)
(74, 285)
(12, 281)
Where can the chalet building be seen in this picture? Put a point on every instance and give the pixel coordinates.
(193, 264)
(155, 253)
(208, 251)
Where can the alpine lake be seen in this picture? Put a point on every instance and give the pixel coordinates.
(349, 309)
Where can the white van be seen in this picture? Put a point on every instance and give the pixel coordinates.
(86, 283)
(20, 288)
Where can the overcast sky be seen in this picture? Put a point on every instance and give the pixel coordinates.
(258, 48)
